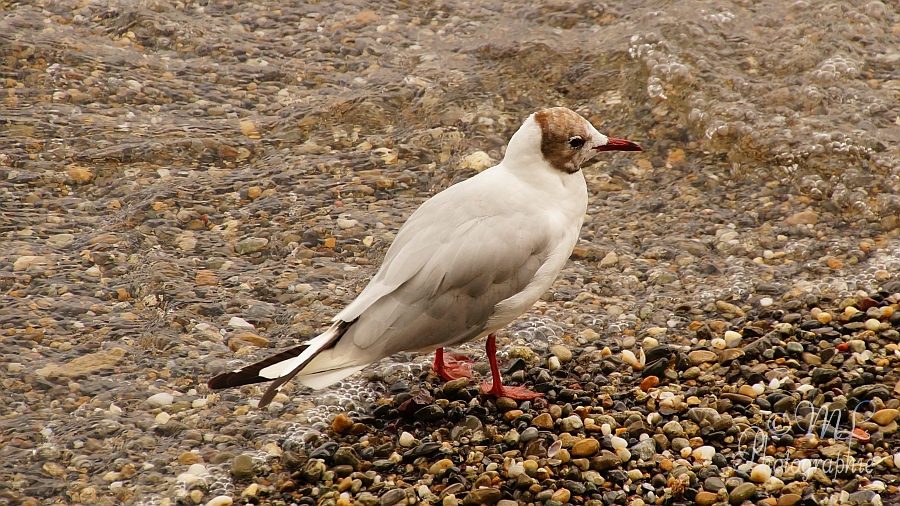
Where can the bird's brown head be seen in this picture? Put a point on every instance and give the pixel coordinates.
(568, 140)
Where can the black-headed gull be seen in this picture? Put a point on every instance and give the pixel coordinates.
(468, 262)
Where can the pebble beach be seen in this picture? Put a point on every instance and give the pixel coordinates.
(187, 187)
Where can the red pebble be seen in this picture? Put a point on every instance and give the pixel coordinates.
(860, 434)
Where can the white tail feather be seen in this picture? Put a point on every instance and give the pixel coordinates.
(319, 380)
(280, 369)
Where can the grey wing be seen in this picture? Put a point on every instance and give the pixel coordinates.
(452, 296)
(438, 222)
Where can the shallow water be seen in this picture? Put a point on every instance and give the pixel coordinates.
(140, 142)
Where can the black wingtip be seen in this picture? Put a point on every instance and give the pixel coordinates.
(249, 374)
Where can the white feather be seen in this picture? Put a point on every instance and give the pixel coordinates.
(283, 368)
(323, 379)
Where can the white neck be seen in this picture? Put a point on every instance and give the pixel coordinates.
(524, 149)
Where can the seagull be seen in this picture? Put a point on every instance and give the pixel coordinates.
(465, 264)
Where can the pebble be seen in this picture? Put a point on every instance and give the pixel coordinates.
(733, 339)
(341, 423)
(705, 453)
(649, 382)
(885, 416)
(160, 400)
(698, 357)
(741, 493)
(221, 500)
(242, 467)
(561, 495)
(571, 423)
(587, 447)
(788, 500)
(760, 473)
(406, 439)
(673, 429)
(704, 498)
(562, 353)
(483, 496)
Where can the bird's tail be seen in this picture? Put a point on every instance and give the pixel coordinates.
(281, 367)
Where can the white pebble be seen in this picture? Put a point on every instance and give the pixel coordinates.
(406, 439)
(553, 363)
(775, 384)
(198, 403)
(804, 388)
(237, 321)
(733, 339)
(759, 388)
(877, 486)
(774, 485)
(618, 442)
(163, 418)
(116, 410)
(718, 343)
(704, 453)
(761, 473)
(189, 480)
(515, 470)
(624, 454)
(629, 358)
(766, 301)
(196, 469)
(606, 430)
(686, 452)
(649, 342)
(344, 223)
(872, 324)
(161, 399)
(222, 500)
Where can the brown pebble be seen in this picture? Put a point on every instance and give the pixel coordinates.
(562, 495)
(885, 416)
(342, 423)
(188, 458)
(512, 414)
(543, 421)
(586, 447)
(666, 465)
(206, 278)
(505, 404)
(649, 382)
(705, 498)
(748, 391)
(788, 500)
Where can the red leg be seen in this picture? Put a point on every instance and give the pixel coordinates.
(452, 366)
(496, 388)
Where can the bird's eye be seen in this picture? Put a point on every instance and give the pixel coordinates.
(576, 142)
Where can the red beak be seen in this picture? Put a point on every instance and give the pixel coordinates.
(618, 145)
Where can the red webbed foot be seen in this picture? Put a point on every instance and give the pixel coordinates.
(451, 366)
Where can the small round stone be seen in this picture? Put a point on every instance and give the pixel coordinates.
(760, 473)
